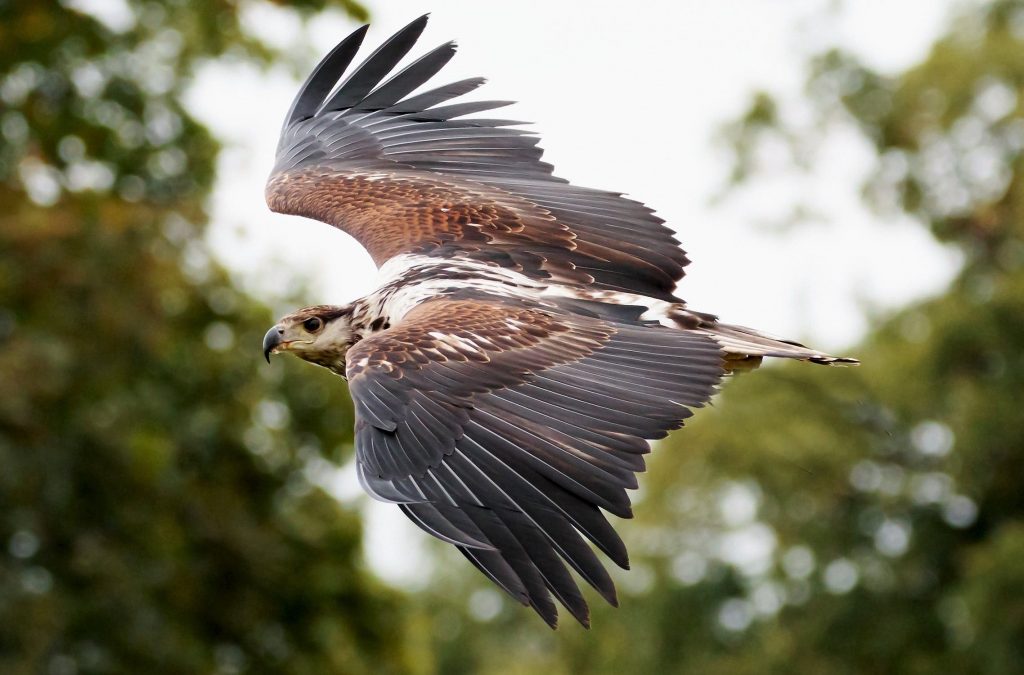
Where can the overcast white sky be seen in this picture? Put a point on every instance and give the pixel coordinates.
(627, 96)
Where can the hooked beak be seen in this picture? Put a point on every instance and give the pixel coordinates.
(271, 341)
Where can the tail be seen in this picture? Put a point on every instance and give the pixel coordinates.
(745, 347)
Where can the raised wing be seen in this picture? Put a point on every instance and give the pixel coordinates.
(506, 429)
(409, 173)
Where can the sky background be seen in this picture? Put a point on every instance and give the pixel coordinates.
(628, 97)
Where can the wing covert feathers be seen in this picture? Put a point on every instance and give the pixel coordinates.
(506, 430)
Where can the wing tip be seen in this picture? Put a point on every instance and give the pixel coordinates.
(416, 25)
(324, 76)
(548, 614)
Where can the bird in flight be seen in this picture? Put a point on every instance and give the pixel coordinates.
(524, 342)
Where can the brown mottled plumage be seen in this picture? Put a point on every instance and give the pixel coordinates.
(525, 341)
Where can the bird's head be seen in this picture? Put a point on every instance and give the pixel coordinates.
(321, 334)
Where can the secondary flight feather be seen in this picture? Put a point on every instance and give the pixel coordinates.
(525, 341)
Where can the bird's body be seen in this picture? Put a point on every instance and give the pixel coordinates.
(524, 341)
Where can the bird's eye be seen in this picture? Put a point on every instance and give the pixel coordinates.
(312, 325)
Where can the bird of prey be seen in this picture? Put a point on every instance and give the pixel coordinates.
(524, 343)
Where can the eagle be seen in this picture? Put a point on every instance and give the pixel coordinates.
(524, 342)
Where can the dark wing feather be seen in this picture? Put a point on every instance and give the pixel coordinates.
(506, 429)
(323, 78)
(353, 90)
(407, 174)
(411, 77)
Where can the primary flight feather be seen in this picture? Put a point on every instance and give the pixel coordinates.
(524, 343)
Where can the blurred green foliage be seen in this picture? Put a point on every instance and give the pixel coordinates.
(869, 520)
(156, 512)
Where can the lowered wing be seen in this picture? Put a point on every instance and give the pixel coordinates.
(506, 430)
(411, 173)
